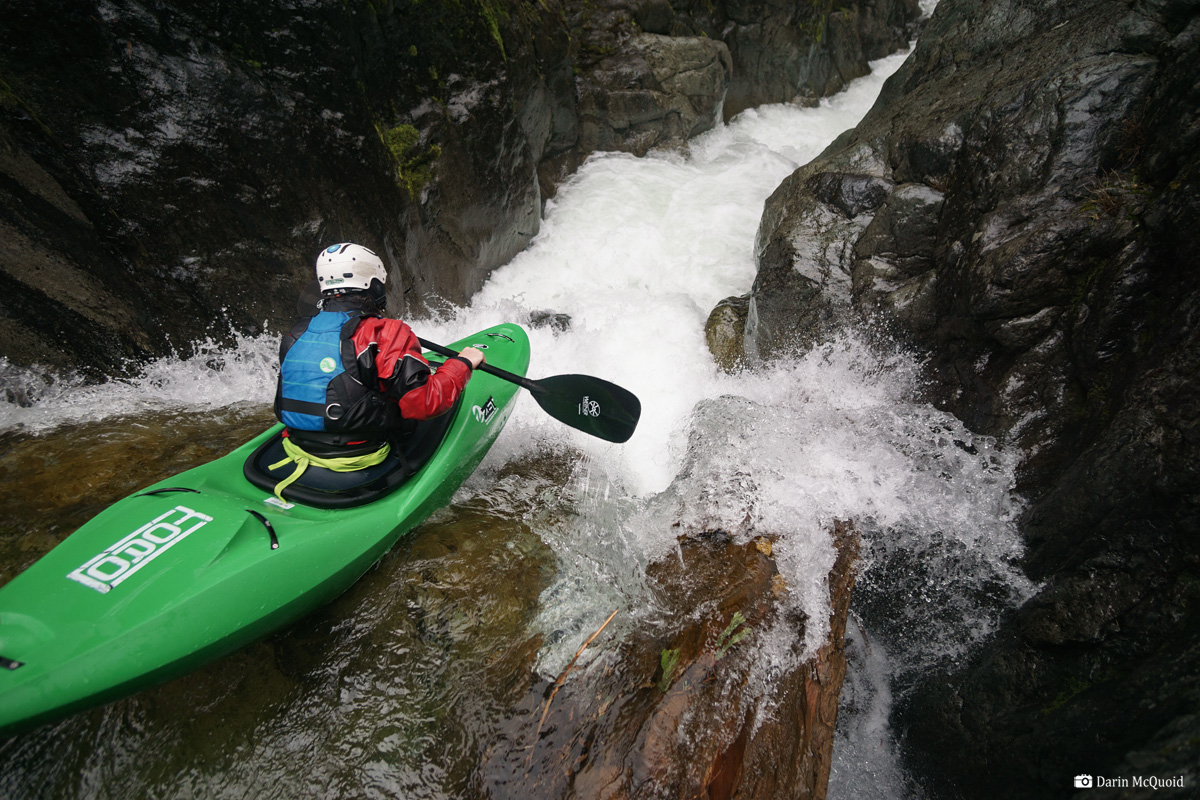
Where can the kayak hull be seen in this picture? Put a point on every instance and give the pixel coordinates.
(203, 563)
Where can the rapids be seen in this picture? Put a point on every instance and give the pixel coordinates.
(635, 251)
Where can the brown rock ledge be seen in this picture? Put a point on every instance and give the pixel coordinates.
(666, 713)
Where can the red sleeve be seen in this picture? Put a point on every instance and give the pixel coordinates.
(396, 342)
(438, 394)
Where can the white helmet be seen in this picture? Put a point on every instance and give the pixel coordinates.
(348, 266)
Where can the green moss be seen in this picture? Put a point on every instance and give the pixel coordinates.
(400, 140)
(1074, 688)
(734, 632)
(414, 167)
(817, 26)
(493, 12)
(669, 660)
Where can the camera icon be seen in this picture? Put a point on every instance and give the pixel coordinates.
(1083, 782)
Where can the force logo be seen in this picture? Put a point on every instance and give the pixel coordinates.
(589, 408)
(485, 413)
(139, 548)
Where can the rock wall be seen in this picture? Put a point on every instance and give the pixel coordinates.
(169, 168)
(798, 51)
(1018, 207)
(714, 59)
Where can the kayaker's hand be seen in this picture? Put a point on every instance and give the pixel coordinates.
(472, 355)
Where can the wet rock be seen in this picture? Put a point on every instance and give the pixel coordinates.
(557, 322)
(653, 73)
(655, 90)
(484, 204)
(891, 261)
(805, 255)
(669, 714)
(725, 331)
(1037, 168)
(785, 52)
(655, 16)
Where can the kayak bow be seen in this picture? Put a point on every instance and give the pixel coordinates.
(201, 564)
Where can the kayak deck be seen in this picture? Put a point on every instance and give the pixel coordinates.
(203, 563)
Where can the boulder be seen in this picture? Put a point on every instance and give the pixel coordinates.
(725, 331)
(802, 289)
(797, 52)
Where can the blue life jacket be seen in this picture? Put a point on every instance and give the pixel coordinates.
(325, 386)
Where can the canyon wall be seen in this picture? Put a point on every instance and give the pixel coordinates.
(1018, 209)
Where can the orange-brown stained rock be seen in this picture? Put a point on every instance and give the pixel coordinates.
(623, 727)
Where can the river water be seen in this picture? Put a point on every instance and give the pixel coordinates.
(635, 252)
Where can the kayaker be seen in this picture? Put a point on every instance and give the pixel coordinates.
(350, 380)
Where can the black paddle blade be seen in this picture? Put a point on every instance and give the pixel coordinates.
(589, 404)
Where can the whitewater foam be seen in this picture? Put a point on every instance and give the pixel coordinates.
(214, 376)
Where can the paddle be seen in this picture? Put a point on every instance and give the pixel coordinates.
(588, 404)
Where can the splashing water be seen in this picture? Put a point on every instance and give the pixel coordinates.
(213, 377)
(636, 252)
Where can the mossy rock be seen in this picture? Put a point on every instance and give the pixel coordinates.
(724, 331)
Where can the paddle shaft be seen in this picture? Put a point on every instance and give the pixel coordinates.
(503, 374)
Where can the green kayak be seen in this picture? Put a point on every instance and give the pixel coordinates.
(203, 563)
